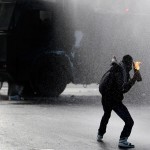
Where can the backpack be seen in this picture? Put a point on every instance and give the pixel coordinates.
(106, 82)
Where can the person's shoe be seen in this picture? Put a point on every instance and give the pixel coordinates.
(99, 138)
(123, 143)
(15, 98)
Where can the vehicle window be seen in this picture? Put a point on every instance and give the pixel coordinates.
(46, 18)
(6, 10)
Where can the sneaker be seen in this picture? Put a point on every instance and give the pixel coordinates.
(123, 143)
(99, 138)
(15, 98)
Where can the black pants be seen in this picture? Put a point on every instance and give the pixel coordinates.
(122, 111)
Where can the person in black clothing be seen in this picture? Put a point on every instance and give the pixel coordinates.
(112, 96)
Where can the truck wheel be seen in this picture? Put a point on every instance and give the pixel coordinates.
(51, 80)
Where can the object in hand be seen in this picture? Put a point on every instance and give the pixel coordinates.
(136, 69)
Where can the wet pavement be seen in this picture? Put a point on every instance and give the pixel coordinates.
(69, 122)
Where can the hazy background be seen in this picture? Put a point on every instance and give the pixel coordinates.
(112, 27)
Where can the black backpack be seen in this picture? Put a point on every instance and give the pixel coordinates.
(106, 82)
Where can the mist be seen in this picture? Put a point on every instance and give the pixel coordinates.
(95, 31)
(114, 27)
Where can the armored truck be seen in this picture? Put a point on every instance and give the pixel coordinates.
(33, 47)
(46, 44)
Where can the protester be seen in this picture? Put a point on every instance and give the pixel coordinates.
(115, 82)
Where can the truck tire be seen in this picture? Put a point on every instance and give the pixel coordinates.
(51, 80)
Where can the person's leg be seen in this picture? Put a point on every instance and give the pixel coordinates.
(105, 118)
(122, 111)
(124, 114)
(14, 91)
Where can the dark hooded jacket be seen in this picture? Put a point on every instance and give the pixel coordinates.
(119, 83)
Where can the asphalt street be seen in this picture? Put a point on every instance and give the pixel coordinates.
(69, 122)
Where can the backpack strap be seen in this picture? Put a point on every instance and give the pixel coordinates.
(123, 72)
